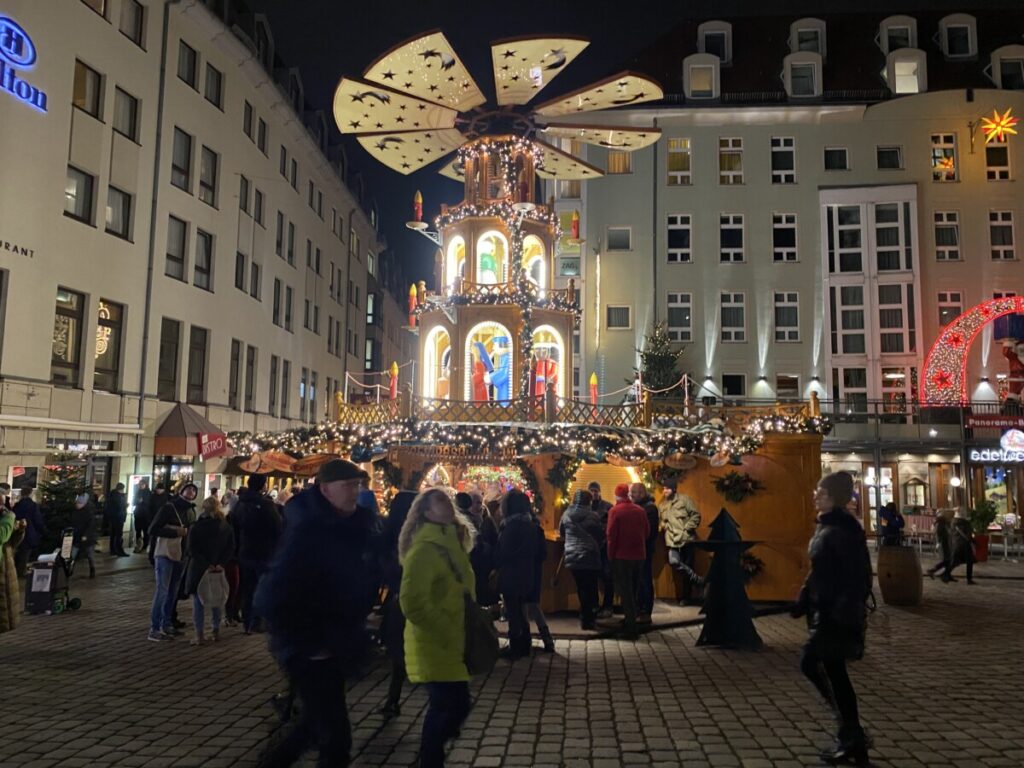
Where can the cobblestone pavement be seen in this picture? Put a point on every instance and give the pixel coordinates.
(940, 686)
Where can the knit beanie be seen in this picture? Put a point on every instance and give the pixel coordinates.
(622, 491)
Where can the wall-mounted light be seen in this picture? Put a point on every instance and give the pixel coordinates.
(708, 377)
(815, 378)
(762, 377)
(955, 481)
(985, 379)
(933, 432)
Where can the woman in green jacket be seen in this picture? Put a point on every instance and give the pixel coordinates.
(436, 574)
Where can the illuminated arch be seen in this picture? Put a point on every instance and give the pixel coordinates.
(484, 332)
(535, 262)
(945, 369)
(491, 258)
(436, 352)
(437, 477)
(548, 334)
(455, 263)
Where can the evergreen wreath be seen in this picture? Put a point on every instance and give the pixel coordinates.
(736, 486)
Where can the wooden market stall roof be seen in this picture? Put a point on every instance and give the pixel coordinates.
(178, 434)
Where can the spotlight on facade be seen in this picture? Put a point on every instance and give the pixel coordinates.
(933, 432)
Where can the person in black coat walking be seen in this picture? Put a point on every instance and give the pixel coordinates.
(517, 566)
(116, 509)
(485, 545)
(834, 599)
(961, 540)
(258, 527)
(211, 543)
(140, 515)
(83, 520)
(534, 612)
(582, 543)
(26, 509)
(392, 626)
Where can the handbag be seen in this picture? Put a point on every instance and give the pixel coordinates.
(481, 636)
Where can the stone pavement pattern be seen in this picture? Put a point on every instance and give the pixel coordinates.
(941, 685)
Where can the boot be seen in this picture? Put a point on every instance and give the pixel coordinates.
(549, 643)
(852, 748)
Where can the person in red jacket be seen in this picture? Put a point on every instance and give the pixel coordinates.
(628, 530)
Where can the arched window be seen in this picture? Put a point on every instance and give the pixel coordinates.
(488, 363)
(534, 262)
(548, 364)
(491, 258)
(437, 355)
(906, 71)
(701, 76)
(455, 263)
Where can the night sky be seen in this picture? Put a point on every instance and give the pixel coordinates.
(327, 39)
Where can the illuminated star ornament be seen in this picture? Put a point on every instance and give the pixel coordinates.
(998, 127)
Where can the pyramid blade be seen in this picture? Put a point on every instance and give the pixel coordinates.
(361, 107)
(561, 165)
(524, 66)
(624, 89)
(427, 67)
(408, 151)
(453, 171)
(627, 139)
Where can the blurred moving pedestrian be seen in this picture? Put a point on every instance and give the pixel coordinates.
(485, 546)
(582, 543)
(116, 511)
(680, 520)
(645, 585)
(891, 524)
(962, 546)
(211, 544)
(436, 575)
(517, 556)
(392, 625)
(602, 508)
(314, 598)
(834, 599)
(258, 527)
(26, 509)
(140, 515)
(5, 497)
(534, 612)
(12, 532)
(83, 520)
(944, 539)
(627, 534)
(167, 535)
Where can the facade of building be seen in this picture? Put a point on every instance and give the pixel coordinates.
(821, 203)
(207, 249)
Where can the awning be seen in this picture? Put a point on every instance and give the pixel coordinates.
(184, 432)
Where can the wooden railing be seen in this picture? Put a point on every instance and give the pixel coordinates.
(519, 409)
(677, 412)
(373, 412)
(581, 412)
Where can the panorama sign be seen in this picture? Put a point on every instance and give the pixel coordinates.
(1010, 451)
(17, 51)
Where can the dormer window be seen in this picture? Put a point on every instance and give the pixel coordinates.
(906, 71)
(1007, 68)
(715, 38)
(802, 75)
(958, 36)
(807, 35)
(897, 32)
(701, 76)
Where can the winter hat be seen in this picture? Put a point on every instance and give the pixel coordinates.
(839, 486)
(622, 491)
(256, 482)
(463, 501)
(82, 499)
(339, 469)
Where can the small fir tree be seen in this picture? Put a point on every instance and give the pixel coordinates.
(67, 480)
(659, 362)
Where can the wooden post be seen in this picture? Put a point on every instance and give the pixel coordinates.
(339, 403)
(645, 413)
(407, 403)
(815, 404)
(550, 403)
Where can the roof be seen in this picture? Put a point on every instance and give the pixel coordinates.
(183, 421)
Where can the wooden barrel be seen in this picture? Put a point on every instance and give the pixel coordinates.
(899, 575)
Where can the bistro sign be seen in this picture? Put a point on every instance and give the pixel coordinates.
(1010, 451)
(17, 51)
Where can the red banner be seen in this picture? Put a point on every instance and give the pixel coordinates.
(995, 421)
(212, 444)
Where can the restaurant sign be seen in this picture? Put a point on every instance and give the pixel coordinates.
(1010, 451)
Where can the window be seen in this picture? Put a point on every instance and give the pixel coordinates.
(733, 317)
(889, 158)
(287, 307)
(368, 356)
(783, 160)
(947, 235)
(276, 316)
(202, 275)
(294, 176)
(320, 204)
(1011, 74)
(716, 43)
(620, 238)
(208, 176)
(620, 162)
(133, 16)
(888, 243)
(291, 243)
(783, 237)
(286, 386)
(303, 378)
(126, 114)
(181, 160)
(845, 242)
(313, 386)
(306, 315)
(1000, 232)
(309, 253)
(679, 160)
(100, 6)
(261, 135)
(312, 189)
(997, 160)
(66, 352)
(254, 280)
(809, 40)
(250, 379)
(247, 119)
(619, 316)
(109, 321)
(167, 368)
(951, 306)
(679, 238)
(257, 206)
(730, 161)
(730, 237)
(944, 165)
(196, 385)
(371, 317)
(907, 68)
(187, 64)
(854, 388)
(240, 271)
(734, 385)
(836, 159)
(679, 320)
(174, 265)
(78, 195)
(787, 316)
(243, 193)
(272, 398)
(896, 318)
(119, 212)
(234, 374)
(851, 319)
(787, 386)
(279, 235)
(958, 40)
(214, 88)
(897, 37)
(87, 90)
(802, 80)
(702, 81)
(283, 167)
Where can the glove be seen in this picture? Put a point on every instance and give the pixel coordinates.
(487, 379)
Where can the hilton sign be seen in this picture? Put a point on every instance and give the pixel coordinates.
(18, 52)
(1010, 451)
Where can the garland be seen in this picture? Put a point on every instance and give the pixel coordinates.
(753, 566)
(736, 486)
(562, 473)
(530, 481)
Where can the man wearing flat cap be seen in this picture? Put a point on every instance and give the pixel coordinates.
(315, 599)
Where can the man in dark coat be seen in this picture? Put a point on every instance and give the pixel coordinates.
(602, 508)
(582, 542)
(645, 585)
(83, 520)
(516, 560)
(314, 599)
(140, 514)
(26, 509)
(257, 525)
(961, 539)
(116, 510)
(834, 598)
